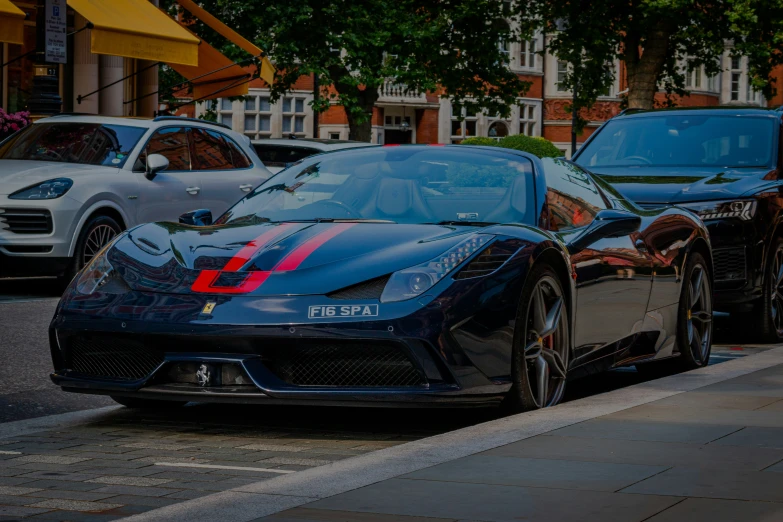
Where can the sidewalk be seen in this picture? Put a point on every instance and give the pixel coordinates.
(706, 445)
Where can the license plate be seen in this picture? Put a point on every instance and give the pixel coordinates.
(331, 311)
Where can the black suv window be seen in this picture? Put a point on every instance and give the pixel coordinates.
(210, 151)
(684, 140)
(280, 155)
(171, 142)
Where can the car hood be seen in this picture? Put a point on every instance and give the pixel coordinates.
(19, 174)
(288, 258)
(672, 185)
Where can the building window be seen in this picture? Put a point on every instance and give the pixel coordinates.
(693, 76)
(528, 56)
(713, 83)
(334, 135)
(527, 120)
(258, 117)
(562, 71)
(463, 124)
(498, 130)
(294, 115)
(735, 86)
(736, 62)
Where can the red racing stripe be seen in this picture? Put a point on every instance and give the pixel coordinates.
(241, 258)
(303, 251)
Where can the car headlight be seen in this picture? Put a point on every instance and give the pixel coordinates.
(416, 280)
(706, 210)
(98, 272)
(54, 188)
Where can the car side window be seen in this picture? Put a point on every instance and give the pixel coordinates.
(282, 156)
(171, 142)
(572, 198)
(238, 158)
(210, 150)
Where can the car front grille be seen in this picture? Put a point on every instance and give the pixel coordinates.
(343, 363)
(729, 264)
(26, 221)
(109, 357)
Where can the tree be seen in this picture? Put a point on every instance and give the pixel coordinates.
(449, 46)
(655, 38)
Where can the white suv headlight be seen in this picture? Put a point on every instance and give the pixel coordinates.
(706, 210)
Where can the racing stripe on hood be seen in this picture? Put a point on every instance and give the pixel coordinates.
(205, 283)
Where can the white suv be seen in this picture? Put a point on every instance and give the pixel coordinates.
(70, 183)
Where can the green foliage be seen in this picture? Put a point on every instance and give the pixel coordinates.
(468, 175)
(592, 35)
(479, 140)
(541, 147)
(355, 47)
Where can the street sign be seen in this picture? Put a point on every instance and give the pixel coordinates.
(55, 27)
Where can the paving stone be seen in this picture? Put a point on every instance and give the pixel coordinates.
(753, 436)
(699, 415)
(138, 500)
(714, 510)
(158, 446)
(21, 511)
(130, 481)
(49, 459)
(178, 460)
(14, 481)
(328, 515)
(74, 505)
(497, 503)
(641, 452)
(14, 500)
(65, 485)
(298, 462)
(565, 474)
(731, 401)
(604, 428)
(187, 494)
(17, 490)
(70, 495)
(126, 472)
(62, 475)
(275, 447)
(738, 485)
(148, 491)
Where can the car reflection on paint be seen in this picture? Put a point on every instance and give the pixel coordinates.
(391, 276)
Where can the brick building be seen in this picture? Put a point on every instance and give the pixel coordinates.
(539, 112)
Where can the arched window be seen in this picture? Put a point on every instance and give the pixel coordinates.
(498, 130)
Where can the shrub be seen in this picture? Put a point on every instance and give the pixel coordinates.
(479, 140)
(541, 147)
(12, 122)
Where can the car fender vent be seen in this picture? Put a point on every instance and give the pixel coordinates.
(371, 289)
(485, 263)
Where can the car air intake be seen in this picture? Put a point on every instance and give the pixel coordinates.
(729, 264)
(113, 358)
(367, 290)
(26, 221)
(344, 363)
(487, 262)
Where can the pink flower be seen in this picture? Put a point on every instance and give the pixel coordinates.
(14, 127)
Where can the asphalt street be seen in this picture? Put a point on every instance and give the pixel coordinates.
(27, 306)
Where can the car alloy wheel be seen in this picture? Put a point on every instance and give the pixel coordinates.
(546, 351)
(96, 239)
(775, 281)
(699, 314)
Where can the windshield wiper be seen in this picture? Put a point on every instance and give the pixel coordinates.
(464, 223)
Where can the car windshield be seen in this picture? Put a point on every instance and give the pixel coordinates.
(450, 185)
(682, 140)
(73, 142)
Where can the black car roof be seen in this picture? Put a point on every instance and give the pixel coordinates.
(726, 109)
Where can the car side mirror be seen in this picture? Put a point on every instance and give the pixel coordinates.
(155, 164)
(197, 218)
(608, 223)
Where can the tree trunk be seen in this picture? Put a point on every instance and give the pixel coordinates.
(360, 130)
(645, 67)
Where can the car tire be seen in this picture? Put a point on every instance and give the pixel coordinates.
(768, 313)
(146, 404)
(94, 235)
(541, 349)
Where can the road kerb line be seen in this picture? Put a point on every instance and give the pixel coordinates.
(215, 466)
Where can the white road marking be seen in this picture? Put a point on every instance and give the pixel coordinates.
(10, 452)
(210, 466)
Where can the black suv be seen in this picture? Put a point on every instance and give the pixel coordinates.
(724, 164)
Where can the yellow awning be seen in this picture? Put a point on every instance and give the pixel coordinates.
(11, 23)
(215, 76)
(137, 29)
(267, 69)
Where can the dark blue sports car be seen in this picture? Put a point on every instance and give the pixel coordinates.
(391, 276)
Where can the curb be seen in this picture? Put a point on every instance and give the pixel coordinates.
(271, 496)
(54, 422)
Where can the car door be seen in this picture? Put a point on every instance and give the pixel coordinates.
(173, 191)
(613, 276)
(226, 173)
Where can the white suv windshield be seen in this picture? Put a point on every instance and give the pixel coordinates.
(73, 142)
(683, 140)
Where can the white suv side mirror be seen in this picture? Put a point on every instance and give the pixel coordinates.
(155, 164)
